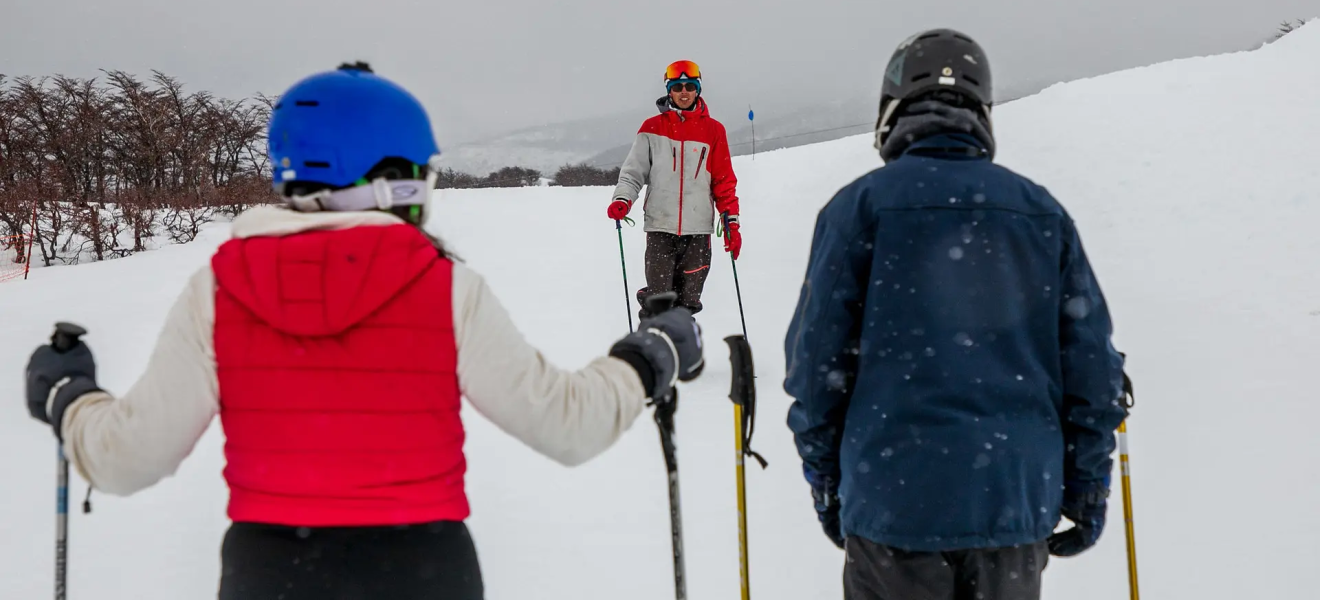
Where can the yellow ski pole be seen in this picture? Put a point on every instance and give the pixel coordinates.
(743, 570)
(1127, 510)
(743, 394)
(1129, 400)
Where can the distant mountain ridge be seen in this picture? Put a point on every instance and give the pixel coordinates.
(605, 141)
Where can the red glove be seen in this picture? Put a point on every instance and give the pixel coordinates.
(619, 209)
(733, 239)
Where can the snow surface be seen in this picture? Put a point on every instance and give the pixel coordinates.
(1194, 186)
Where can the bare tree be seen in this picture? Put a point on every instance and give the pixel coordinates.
(511, 177)
(584, 174)
(102, 166)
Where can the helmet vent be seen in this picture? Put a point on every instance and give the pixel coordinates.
(306, 103)
(973, 80)
(316, 164)
(919, 77)
(963, 38)
(928, 36)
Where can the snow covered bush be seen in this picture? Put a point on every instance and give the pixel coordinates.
(1288, 27)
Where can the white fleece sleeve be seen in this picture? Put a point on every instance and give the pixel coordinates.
(636, 170)
(128, 444)
(569, 416)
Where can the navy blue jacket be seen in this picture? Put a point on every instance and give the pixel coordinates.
(950, 356)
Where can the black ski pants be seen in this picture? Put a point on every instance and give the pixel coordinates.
(678, 264)
(428, 561)
(875, 572)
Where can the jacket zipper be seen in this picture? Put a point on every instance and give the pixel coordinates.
(682, 174)
(700, 162)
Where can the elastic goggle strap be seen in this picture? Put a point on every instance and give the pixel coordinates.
(883, 125)
(380, 194)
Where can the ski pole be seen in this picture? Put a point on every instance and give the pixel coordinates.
(664, 420)
(1129, 400)
(665, 407)
(1127, 510)
(63, 340)
(743, 393)
(62, 527)
(742, 315)
(627, 304)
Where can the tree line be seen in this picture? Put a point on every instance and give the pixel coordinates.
(567, 175)
(106, 166)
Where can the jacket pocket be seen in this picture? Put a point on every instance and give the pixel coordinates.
(675, 158)
(700, 163)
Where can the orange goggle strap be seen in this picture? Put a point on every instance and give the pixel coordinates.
(683, 69)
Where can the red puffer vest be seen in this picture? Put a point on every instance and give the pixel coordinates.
(339, 392)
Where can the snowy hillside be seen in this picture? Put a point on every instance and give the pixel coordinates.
(1194, 185)
(547, 147)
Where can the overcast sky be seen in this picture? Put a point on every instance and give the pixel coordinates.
(486, 66)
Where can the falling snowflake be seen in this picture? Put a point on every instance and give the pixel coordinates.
(836, 380)
(1077, 308)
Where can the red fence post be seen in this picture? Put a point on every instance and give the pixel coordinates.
(31, 237)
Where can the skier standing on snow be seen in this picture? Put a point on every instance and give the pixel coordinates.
(682, 155)
(334, 340)
(955, 385)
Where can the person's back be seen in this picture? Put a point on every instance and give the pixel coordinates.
(958, 385)
(299, 321)
(950, 359)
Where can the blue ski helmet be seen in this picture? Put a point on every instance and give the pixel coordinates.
(333, 127)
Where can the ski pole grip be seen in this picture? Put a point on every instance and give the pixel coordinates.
(742, 389)
(66, 336)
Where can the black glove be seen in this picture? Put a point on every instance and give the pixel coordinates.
(665, 349)
(825, 494)
(1084, 504)
(57, 375)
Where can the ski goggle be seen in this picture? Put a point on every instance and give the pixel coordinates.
(683, 69)
(688, 86)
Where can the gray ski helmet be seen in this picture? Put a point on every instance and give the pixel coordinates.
(938, 59)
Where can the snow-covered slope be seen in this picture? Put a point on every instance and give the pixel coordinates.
(1194, 186)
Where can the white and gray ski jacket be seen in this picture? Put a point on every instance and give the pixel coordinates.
(683, 159)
